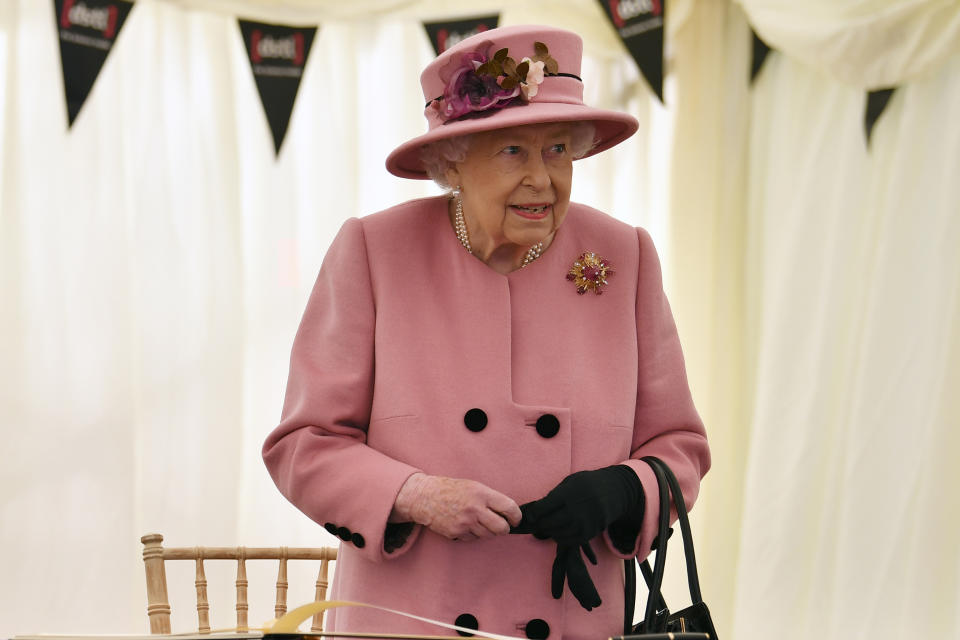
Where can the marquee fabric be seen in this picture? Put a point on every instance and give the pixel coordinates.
(816, 287)
(155, 259)
(873, 44)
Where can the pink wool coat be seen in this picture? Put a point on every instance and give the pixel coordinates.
(414, 355)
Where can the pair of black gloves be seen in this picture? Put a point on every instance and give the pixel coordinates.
(576, 511)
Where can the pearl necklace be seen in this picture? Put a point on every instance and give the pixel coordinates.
(460, 226)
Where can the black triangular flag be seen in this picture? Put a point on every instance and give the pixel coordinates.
(640, 25)
(876, 103)
(760, 51)
(447, 33)
(277, 56)
(87, 29)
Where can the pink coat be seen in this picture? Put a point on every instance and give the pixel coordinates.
(404, 335)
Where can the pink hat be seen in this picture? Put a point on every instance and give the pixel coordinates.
(503, 78)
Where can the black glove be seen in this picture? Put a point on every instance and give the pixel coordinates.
(396, 535)
(583, 505)
(569, 565)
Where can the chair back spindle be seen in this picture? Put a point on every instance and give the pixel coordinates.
(320, 595)
(281, 606)
(242, 606)
(203, 605)
(155, 556)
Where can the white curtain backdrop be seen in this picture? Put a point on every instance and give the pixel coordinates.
(155, 260)
(851, 522)
(851, 517)
(864, 43)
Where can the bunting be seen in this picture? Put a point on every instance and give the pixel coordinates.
(87, 29)
(447, 33)
(277, 55)
(640, 26)
(759, 55)
(876, 103)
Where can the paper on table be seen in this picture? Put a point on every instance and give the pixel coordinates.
(289, 622)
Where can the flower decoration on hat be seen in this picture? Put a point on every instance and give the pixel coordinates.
(590, 272)
(479, 83)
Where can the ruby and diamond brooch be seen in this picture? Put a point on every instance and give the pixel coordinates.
(589, 273)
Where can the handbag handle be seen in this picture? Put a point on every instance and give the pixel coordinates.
(629, 594)
(670, 493)
(693, 579)
(656, 582)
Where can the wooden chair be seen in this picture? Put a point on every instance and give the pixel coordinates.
(158, 607)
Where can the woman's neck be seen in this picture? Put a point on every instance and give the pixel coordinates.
(500, 255)
(503, 258)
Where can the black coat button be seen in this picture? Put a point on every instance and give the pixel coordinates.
(467, 620)
(537, 629)
(344, 534)
(331, 528)
(475, 419)
(358, 541)
(548, 425)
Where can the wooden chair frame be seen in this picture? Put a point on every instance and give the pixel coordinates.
(158, 607)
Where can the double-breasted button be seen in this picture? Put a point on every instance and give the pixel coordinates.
(537, 629)
(467, 620)
(358, 541)
(548, 425)
(475, 420)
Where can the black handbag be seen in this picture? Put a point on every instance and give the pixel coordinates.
(686, 624)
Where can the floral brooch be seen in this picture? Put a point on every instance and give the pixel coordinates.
(589, 273)
(480, 82)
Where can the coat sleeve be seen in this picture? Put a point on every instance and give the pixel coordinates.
(666, 423)
(318, 456)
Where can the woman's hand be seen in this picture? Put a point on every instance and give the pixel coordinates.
(569, 566)
(576, 511)
(584, 504)
(455, 508)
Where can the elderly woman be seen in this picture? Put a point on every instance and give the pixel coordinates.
(465, 410)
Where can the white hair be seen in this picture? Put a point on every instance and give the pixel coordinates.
(440, 156)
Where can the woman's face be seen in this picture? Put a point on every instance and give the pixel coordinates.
(515, 184)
